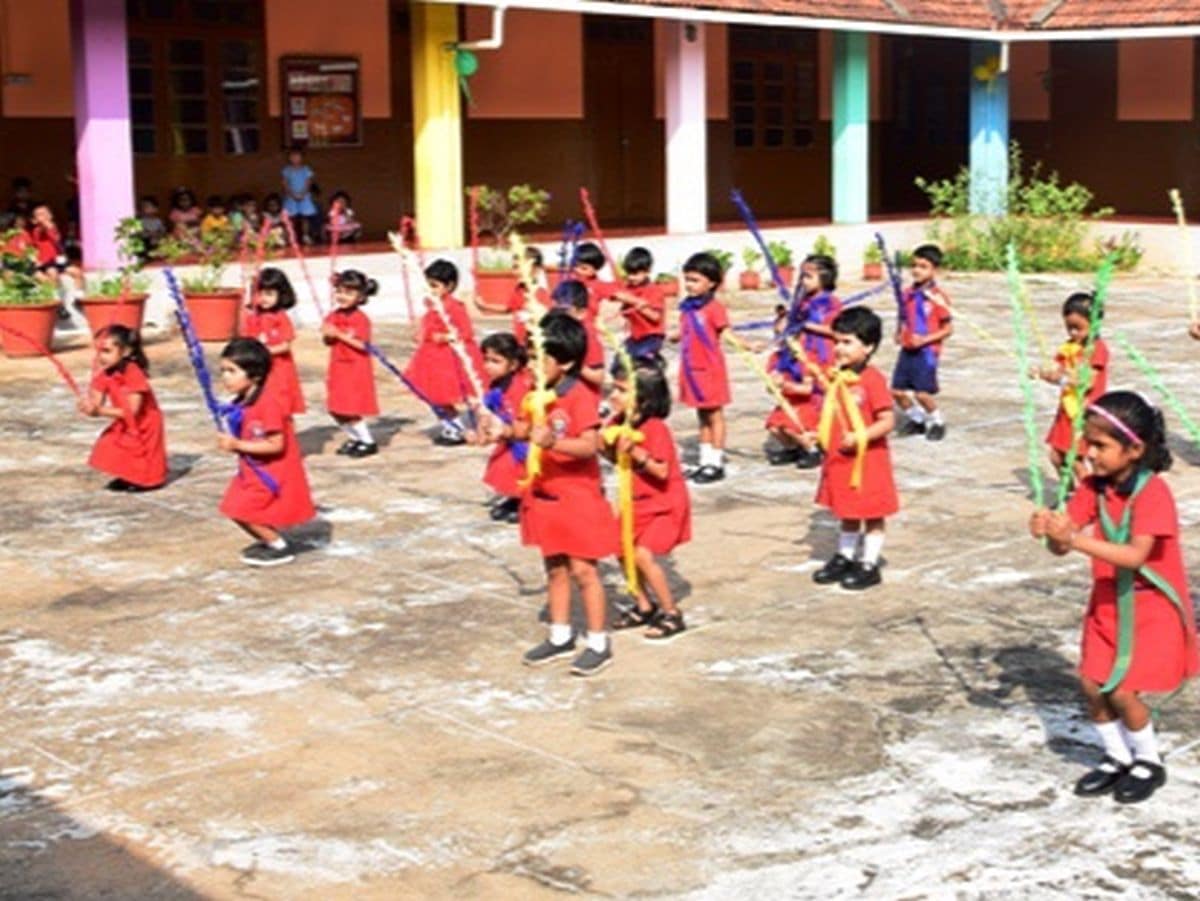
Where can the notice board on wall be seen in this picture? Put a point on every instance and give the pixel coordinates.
(322, 101)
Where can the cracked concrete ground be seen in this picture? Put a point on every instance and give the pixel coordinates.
(357, 725)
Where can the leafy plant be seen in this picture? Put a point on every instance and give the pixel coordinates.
(495, 260)
(212, 251)
(130, 239)
(823, 247)
(666, 278)
(1127, 250)
(724, 258)
(500, 214)
(1047, 220)
(751, 257)
(872, 255)
(19, 282)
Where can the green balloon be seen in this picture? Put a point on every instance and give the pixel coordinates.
(466, 63)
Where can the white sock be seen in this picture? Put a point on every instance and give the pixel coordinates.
(872, 547)
(848, 544)
(597, 641)
(560, 633)
(348, 428)
(1144, 744)
(706, 450)
(916, 413)
(278, 544)
(718, 457)
(362, 433)
(935, 417)
(1113, 736)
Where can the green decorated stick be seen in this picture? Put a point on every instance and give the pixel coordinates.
(1083, 378)
(1029, 412)
(1156, 382)
(1189, 253)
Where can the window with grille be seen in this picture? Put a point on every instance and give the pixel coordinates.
(773, 88)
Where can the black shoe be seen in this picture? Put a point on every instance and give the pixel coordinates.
(834, 569)
(547, 653)
(504, 508)
(863, 575)
(346, 448)
(1140, 781)
(784, 456)
(362, 449)
(265, 555)
(936, 432)
(1102, 779)
(117, 485)
(707, 474)
(449, 438)
(810, 459)
(589, 662)
(911, 428)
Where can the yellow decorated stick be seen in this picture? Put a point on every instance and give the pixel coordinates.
(839, 395)
(761, 372)
(1190, 253)
(537, 400)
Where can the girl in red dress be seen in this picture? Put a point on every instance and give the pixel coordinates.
(350, 379)
(856, 476)
(1139, 633)
(437, 369)
(268, 321)
(794, 431)
(1077, 319)
(133, 447)
(270, 490)
(662, 510)
(563, 512)
(517, 301)
(508, 382)
(703, 379)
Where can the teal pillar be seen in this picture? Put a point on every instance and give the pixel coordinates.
(851, 127)
(989, 130)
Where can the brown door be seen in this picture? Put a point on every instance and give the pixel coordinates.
(626, 139)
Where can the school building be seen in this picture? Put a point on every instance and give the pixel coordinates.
(815, 109)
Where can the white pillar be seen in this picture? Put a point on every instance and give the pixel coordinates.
(686, 129)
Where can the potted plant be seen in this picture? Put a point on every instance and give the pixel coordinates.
(120, 298)
(669, 283)
(724, 259)
(213, 307)
(750, 278)
(872, 263)
(781, 254)
(28, 304)
(499, 214)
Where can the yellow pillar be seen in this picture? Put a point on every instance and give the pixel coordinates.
(437, 125)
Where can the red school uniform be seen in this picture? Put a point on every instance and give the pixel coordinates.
(805, 409)
(134, 447)
(350, 379)
(1068, 357)
(923, 315)
(593, 356)
(248, 498)
(564, 510)
(639, 326)
(876, 496)
(435, 369)
(516, 306)
(703, 377)
(506, 465)
(47, 242)
(598, 292)
(273, 327)
(1164, 642)
(662, 509)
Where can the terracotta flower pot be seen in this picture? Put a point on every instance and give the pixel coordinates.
(102, 312)
(496, 287)
(34, 320)
(872, 272)
(749, 281)
(788, 274)
(214, 314)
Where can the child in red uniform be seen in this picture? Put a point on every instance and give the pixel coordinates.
(643, 306)
(703, 379)
(662, 510)
(585, 268)
(1139, 633)
(563, 513)
(436, 369)
(1077, 319)
(517, 303)
(350, 380)
(572, 297)
(268, 321)
(856, 477)
(508, 382)
(921, 328)
(133, 447)
(270, 490)
(793, 429)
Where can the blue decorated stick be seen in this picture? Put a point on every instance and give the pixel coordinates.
(748, 217)
(893, 272)
(373, 350)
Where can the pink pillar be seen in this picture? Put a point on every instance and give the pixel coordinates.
(103, 145)
(687, 129)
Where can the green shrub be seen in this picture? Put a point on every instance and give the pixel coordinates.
(502, 213)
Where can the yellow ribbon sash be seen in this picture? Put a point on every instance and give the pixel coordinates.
(541, 397)
(1068, 397)
(759, 370)
(624, 505)
(839, 398)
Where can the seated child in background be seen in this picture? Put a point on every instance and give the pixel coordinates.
(216, 217)
(153, 228)
(185, 214)
(341, 221)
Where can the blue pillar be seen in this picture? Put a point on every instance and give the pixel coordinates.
(989, 130)
(851, 127)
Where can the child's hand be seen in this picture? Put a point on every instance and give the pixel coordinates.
(1037, 523)
(543, 436)
(674, 336)
(86, 407)
(227, 443)
(473, 437)
(1059, 528)
(329, 330)
(1194, 329)
(624, 445)
(778, 378)
(849, 443)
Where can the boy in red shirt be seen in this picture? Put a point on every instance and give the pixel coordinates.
(572, 297)
(643, 306)
(585, 268)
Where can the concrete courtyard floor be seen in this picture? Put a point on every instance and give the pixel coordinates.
(358, 724)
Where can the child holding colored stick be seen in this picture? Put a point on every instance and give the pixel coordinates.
(1138, 633)
(504, 360)
(516, 304)
(703, 375)
(643, 305)
(132, 448)
(1077, 314)
(273, 493)
(563, 511)
(589, 260)
(267, 320)
(856, 478)
(572, 296)
(350, 378)
(923, 324)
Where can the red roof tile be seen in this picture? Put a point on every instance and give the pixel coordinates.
(1115, 13)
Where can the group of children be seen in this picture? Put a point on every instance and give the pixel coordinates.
(537, 399)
